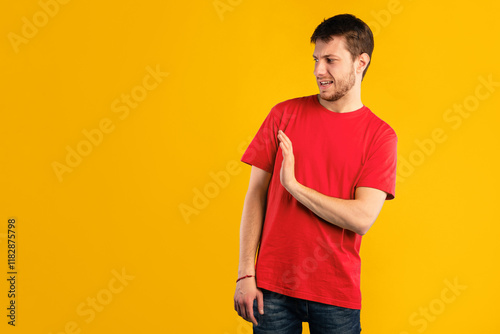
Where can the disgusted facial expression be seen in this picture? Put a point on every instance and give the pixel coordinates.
(334, 69)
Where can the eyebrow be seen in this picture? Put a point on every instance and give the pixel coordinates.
(328, 56)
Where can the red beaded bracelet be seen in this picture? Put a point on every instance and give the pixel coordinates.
(243, 277)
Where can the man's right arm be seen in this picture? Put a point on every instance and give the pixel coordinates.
(250, 230)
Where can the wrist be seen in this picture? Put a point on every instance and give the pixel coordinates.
(246, 271)
(245, 277)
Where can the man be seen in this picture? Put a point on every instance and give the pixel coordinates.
(322, 167)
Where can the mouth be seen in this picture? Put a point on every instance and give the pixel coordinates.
(325, 84)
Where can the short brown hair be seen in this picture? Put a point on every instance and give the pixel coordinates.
(358, 36)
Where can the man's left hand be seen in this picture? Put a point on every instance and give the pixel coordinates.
(287, 172)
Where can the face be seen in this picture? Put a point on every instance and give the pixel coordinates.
(334, 69)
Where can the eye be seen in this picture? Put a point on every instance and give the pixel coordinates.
(330, 60)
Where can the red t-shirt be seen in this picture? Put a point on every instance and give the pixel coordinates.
(300, 254)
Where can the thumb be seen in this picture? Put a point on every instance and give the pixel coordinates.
(260, 302)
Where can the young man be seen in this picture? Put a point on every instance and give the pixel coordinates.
(322, 167)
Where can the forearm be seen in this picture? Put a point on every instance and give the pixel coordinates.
(351, 214)
(250, 231)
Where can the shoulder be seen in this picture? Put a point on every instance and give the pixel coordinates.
(380, 127)
(287, 108)
(295, 102)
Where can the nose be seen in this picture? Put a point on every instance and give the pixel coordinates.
(319, 68)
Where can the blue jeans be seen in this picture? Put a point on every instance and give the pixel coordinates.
(284, 315)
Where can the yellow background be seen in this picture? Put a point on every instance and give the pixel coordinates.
(120, 207)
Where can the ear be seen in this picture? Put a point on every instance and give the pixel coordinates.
(363, 61)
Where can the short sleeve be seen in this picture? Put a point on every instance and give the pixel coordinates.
(263, 148)
(379, 170)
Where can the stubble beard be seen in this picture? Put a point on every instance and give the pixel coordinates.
(342, 87)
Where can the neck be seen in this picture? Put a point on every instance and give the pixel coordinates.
(349, 102)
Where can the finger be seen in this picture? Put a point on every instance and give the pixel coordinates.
(260, 302)
(284, 149)
(237, 308)
(281, 137)
(286, 142)
(284, 136)
(287, 148)
(250, 315)
(283, 146)
(242, 312)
